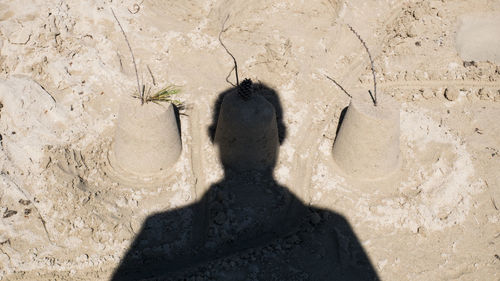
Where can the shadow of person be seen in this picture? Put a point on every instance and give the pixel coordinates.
(246, 226)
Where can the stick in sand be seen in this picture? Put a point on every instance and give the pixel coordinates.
(374, 96)
(141, 93)
(235, 67)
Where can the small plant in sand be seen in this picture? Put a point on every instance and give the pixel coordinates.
(373, 95)
(166, 94)
(133, 158)
(163, 95)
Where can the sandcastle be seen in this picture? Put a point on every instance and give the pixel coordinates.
(367, 142)
(147, 141)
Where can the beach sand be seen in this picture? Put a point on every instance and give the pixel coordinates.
(65, 68)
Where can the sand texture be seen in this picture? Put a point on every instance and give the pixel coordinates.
(66, 213)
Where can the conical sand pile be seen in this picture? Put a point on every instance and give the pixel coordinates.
(367, 143)
(146, 140)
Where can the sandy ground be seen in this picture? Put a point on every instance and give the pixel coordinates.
(65, 67)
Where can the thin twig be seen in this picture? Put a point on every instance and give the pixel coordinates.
(374, 96)
(47, 92)
(235, 68)
(133, 58)
(227, 77)
(152, 77)
(120, 59)
(338, 85)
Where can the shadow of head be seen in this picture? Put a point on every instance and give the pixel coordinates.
(259, 89)
(247, 127)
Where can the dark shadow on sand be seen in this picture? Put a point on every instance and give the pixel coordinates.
(341, 119)
(246, 227)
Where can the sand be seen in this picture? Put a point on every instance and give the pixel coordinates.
(66, 214)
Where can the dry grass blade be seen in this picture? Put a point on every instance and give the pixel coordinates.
(152, 77)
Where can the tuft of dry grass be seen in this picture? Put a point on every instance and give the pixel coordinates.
(164, 95)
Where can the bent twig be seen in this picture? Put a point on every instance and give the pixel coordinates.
(338, 85)
(235, 68)
(374, 96)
